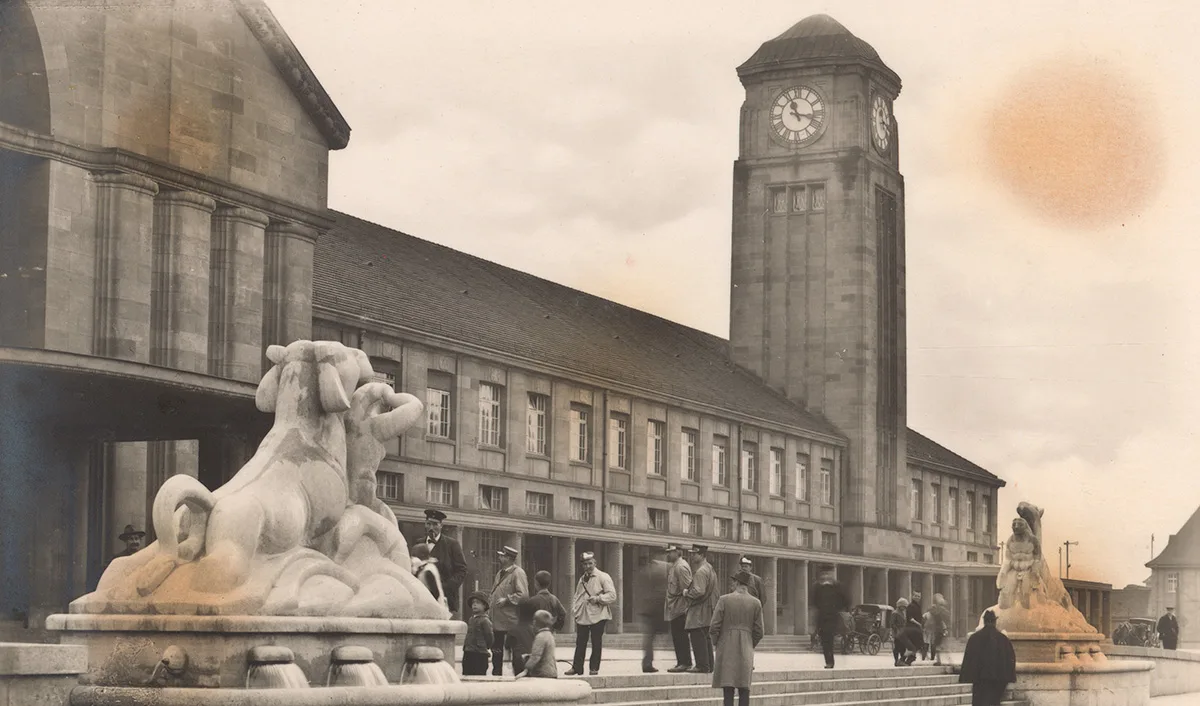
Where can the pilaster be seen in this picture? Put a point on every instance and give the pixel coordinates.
(770, 601)
(124, 225)
(235, 338)
(614, 565)
(287, 282)
(801, 582)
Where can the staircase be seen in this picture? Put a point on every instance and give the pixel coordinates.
(910, 686)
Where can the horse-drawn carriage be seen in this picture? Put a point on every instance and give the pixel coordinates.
(1139, 632)
(865, 629)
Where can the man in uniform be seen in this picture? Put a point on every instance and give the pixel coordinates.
(756, 586)
(702, 597)
(451, 562)
(679, 577)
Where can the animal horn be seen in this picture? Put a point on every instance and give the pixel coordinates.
(268, 390)
(333, 394)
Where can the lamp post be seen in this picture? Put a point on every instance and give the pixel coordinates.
(1068, 544)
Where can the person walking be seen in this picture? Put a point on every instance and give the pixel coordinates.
(679, 577)
(652, 582)
(757, 587)
(702, 600)
(937, 626)
(915, 613)
(593, 595)
(510, 588)
(737, 626)
(1168, 629)
(828, 598)
(989, 663)
(896, 623)
(527, 628)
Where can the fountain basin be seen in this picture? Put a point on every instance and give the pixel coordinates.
(124, 650)
(1083, 683)
(543, 692)
(1055, 646)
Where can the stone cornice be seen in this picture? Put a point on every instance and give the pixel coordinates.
(188, 198)
(112, 159)
(286, 229)
(124, 180)
(295, 72)
(245, 215)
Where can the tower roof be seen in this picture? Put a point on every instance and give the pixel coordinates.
(815, 39)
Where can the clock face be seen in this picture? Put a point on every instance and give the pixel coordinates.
(881, 123)
(798, 115)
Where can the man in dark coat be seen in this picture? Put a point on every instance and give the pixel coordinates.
(451, 562)
(1168, 629)
(989, 663)
(756, 587)
(542, 599)
(828, 599)
(652, 582)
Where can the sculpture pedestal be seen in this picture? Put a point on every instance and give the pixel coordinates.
(124, 650)
(1070, 669)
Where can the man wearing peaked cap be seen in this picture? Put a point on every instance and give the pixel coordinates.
(509, 590)
(756, 586)
(702, 599)
(451, 562)
(594, 594)
(679, 577)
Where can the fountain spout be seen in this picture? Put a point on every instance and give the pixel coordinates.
(350, 665)
(273, 667)
(424, 664)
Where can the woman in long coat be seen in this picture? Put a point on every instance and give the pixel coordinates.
(736, 628)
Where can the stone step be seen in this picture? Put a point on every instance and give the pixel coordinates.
(764, 687)
(952, 693)
(667, 679)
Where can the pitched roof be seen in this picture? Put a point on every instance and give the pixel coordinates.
(361, 268)
(923, 449)
(295, 72)
(1183, 548)
(817, 38)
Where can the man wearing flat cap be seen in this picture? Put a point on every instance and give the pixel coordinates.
(594, 594)
(702, 600)
(448, 554)
(509, 590)
(756, 586)
(679, 577)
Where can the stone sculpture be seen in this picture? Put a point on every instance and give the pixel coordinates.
(1031, 598)
(298, 529)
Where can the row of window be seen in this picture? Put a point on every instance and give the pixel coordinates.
(495, 498)
(939, 554)
(930, 507)
(537, 440)
(796, 198)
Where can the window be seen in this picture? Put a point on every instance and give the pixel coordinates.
(691, 524)
(802, 477)
(917, 509)
(656, 451)
(493, 498)
(489, 413)
(779, 200)
(1173, 582)
(779, 535)
(720, 465)
(536, 441)
(829, 541)
(938, 554)
(441, 492)
(825, 481)
(688, 455)
(618, 441)
(799, 199)
(583, 510)
(751, 532)
(985, 509)
(437, 404)
(659, 519)
(973, 557)
(750, 467)
(935, 503)
(818, 197)
(969, 510)
(806, 537)
(620, 515)
(776, 471)
(539, 504)
(987, 559)
(723, 527)
(389, 486)
(581, 433)
(952, 520)
(386, 371)
(918, 552)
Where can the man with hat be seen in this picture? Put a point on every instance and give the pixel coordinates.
(737, 627)
(132, 539)
(510, 588)
(1168, 629)
(593, 595)
(756, 586)
(828, 599)
(679, 577)
(448, 554)
(652, 596)
(702, 596)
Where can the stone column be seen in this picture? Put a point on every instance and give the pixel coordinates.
(926, 590)
(770, 601)
(800, 608)
(906, 584)
(287, 282)
(235, 326)
(952, 606)
(565, 569)
(856, 585)
(1106, 613)
(886, 577)
(614, 565)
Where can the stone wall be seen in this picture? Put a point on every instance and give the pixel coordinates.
(1175, 672)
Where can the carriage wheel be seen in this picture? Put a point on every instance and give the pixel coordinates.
(872, 645)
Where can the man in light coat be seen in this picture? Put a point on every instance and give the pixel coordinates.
(702, 599)
(737, 626)
(593, 595)
(679, 577)
(510, 588)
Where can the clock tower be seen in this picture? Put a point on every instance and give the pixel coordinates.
(817, 301)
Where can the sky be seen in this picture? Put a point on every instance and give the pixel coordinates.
(1047, 150)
